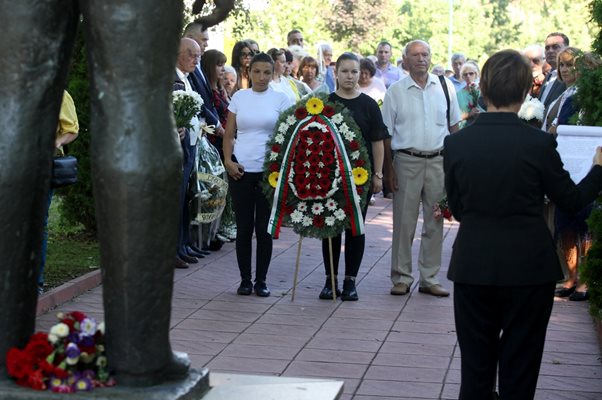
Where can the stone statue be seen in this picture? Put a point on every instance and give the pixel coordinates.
(136, 163)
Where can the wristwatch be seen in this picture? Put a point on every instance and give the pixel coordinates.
(379, 175)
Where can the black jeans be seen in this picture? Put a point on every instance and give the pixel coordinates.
(252, 213)
(354, 249)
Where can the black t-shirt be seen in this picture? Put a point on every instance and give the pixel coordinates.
(367, 116)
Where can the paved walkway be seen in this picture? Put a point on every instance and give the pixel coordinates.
(382, 346)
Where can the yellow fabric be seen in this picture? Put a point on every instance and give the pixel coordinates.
(67, 117)
(294, 87)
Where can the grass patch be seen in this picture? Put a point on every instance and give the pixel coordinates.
(72, 252)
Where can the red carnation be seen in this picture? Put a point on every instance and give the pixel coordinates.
(300, 181)
(302, 192)
(78, 316)
(359, 163)
(354, 145)
(276, 148)
(315, 148)
(300, 113)
(314, 169)
(38, 347)
(328, 138)
(61, 373)
(19, 363)
(36, 380)
(319, 221)
(301, 157)
(327, 159)
(313, 192)
(447, 214)
(274, 167)
(328, 111)
(300, 169)
(325, 171)
(325, 183)
(327, 147)
(314, 159)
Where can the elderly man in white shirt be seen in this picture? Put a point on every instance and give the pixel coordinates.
(416, 112)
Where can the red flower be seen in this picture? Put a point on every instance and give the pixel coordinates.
(70, 323)
(359, 189)
(19, 363)
(302, 192)
(46, 367)
(78, 316)
(300, 169)
(315, 148)
(317, 137)
(328, 111)
(325, 183)
(327, 159)
(354, 145)
(314, 169)
(447, 214)
(60, 373)
(325, 171)
(328, 138)
(300, 181)
(36, 380)
(300, 113)
(301, 157)
(359, 163)
(38, 347)
(276, 148)
(314, 159)
(313, 192)
(327, 147)
(319, 221)
(274, 167)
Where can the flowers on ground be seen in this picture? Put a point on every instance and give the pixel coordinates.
(68, 359)
(317, 169)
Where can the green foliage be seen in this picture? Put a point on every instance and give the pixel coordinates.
(589, 96)
(596, 11)
(78, 203)
(591, 269)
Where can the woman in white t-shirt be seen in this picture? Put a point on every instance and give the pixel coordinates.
(281, 83)
(252, 116)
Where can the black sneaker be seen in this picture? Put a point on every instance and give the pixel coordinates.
(326, 293)
(349, 291)
(245, 288)
(261, 289)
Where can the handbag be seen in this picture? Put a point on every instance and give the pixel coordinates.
(64, 171)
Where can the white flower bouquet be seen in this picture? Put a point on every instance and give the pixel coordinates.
(186, 104)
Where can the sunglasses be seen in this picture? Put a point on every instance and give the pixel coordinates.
(247, 54)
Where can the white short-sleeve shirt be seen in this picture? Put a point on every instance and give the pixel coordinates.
(416, 117)
(256, 117)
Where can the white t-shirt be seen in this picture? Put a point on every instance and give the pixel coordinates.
(256, 117)
(285, 87)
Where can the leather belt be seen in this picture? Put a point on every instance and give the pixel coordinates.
(421, 154)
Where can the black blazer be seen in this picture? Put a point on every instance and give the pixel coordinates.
(200, 86)
(497, 172)
(556, 90)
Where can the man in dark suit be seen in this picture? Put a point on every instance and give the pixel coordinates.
(552, 87)
(504, 263)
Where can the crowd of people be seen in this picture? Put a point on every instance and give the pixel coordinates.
(408, 114)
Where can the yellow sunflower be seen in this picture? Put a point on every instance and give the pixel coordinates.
(314, 106)
(360, 176)
(273, 178)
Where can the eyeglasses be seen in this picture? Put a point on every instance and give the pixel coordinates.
(469, 73)
(247, 54)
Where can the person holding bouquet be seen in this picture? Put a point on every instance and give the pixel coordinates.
(366, 114)
(468, 96)
(252, 116)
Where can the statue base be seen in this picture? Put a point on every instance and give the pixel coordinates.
(193, 387)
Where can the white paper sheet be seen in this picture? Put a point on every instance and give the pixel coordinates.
(576, 146)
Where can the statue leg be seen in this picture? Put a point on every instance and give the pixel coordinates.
(36, 40)
(136, 168)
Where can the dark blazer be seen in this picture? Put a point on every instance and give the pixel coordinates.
(556, 90)
(497, 172)
(201, 86)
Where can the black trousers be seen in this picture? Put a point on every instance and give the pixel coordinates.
(354, 249)
(189, 153)
(252, 213)
(503, 325)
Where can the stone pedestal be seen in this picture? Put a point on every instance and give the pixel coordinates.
(192, 388)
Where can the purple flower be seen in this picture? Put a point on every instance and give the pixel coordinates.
(86, 341)
(72, 351)
(84, 384)
(73, 338)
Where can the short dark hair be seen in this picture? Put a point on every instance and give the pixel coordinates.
(288, 35)
(367, 64)
(275, 53)
(347, 56)
(384, 43)
(287, 55)
(506, 78)
(309, 62)
(564, 37)
(574, 52)
(262, 57)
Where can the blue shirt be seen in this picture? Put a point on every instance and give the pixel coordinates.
(388, 75)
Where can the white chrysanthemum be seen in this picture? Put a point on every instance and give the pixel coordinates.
(60, 330)
(101, 327)
(52, 338)
(279, 138)
(282, 128)
(273, 156)
(331, 205)
(296, 216)
(531, 108)
(339, 214)
(307, 221)
(349, 136)
(329, 221)
(355, 155)
(317, 208)
(302, 206)
(337, 118)
(290, 119)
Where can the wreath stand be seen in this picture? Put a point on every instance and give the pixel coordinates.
(296, 275)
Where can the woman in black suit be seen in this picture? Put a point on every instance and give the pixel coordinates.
(504, 263)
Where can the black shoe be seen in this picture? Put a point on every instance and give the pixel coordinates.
(181, 264)
(245, 288)
(349, 291)
(579, 296)
(326, 293)
(188, 259)
(193, 253)
(195, 249)
(261, 289)
(215, 245)
(564, 292)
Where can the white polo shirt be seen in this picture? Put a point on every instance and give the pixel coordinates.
(416, 117)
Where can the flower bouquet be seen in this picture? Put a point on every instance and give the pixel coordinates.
(186, 105)
(474, 93)
(441, 210)
(317, 170)
(532, 111)
(70, 358)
